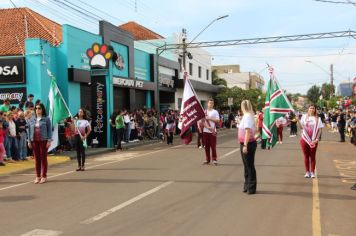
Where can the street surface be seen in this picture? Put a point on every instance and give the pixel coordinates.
(165, 190)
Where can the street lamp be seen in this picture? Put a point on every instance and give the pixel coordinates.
(185, 45)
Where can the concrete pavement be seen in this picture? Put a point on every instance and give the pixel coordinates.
(164, 190)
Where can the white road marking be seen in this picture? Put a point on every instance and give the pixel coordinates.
(229, 153)
(42, 232)
(125, 204)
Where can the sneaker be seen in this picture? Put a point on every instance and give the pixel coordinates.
(307, 175)
(37, 180)
(206, 163)
(312, 175)
(43, 180)
(215, 163)
(200, 147)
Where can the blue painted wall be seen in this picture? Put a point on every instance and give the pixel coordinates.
(142, 65)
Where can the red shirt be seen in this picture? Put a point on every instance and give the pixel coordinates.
(2, 133)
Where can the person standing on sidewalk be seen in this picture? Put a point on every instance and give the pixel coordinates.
(311, 125)
(82, 130)
(341, 123)
(21, 126)
(248, 146)
(120, 127)
(2, 148)
(40, 137)
(209, 132)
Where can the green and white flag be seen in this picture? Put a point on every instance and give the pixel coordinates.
(277, 105)
(57, 109)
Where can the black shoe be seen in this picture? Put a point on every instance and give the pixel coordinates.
(79, 169)
(245, 190)
(252, 192)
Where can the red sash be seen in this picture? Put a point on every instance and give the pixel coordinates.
(306, 137)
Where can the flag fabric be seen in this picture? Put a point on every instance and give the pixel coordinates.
(276, 105)
(57, 109)
(191, 111)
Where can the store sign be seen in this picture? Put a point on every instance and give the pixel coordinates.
(99, 55)
(128, 82)
(16, 95)
(12, 70)
(99, 104)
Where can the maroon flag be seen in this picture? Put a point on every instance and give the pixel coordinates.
(191, 111)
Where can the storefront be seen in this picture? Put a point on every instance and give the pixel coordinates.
(13, 80)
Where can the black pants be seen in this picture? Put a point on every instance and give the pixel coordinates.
(114, 136)
(169, 137)
(80, 150)
(342, 134)
(120, 136)
(249, 167)
(293, 128)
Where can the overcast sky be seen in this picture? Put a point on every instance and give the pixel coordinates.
(247, 19)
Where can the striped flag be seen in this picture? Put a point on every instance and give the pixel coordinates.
(277, 105)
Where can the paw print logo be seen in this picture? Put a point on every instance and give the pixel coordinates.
(99, 55)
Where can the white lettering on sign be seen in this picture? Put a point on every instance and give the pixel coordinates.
(11, 96)
(98, 128)
(128, 82)
(7, 70)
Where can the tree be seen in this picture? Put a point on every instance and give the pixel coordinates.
(327, 90)
(216, 80)
(313, 94)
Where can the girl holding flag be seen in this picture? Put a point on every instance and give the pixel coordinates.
(311, 125)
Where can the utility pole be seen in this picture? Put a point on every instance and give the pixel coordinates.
(184, 39)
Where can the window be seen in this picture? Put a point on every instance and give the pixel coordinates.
(190, 69)
(207, 74)
(199, 71)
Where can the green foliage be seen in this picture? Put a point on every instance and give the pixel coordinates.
(238, 95)
(216, 80)
(327, 90)
(313, 94)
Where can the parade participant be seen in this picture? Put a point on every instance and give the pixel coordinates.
(260, 125)
(82, 130)
(209, 132)
(293, 125)
(281, 121)
(40, 137)
(311, 125)
(248, 145)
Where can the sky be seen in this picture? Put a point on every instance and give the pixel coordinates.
(298, 65)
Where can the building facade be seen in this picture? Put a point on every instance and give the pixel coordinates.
(234, 77)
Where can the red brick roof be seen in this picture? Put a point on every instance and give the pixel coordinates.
(140, 32)
(13, 30)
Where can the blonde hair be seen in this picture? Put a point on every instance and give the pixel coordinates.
(246, 107)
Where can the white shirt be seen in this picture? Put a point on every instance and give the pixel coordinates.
(211, 114)
(81, 125)
(12, 128)
(126, 119)
(247, 122)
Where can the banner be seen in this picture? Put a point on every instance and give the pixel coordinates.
(57, 109)
(191, 110)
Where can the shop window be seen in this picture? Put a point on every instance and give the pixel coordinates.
(190, 69)
(199, 71)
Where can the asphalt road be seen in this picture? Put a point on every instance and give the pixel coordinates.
(165, 190)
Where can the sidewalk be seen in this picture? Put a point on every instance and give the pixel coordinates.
(59, 158)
